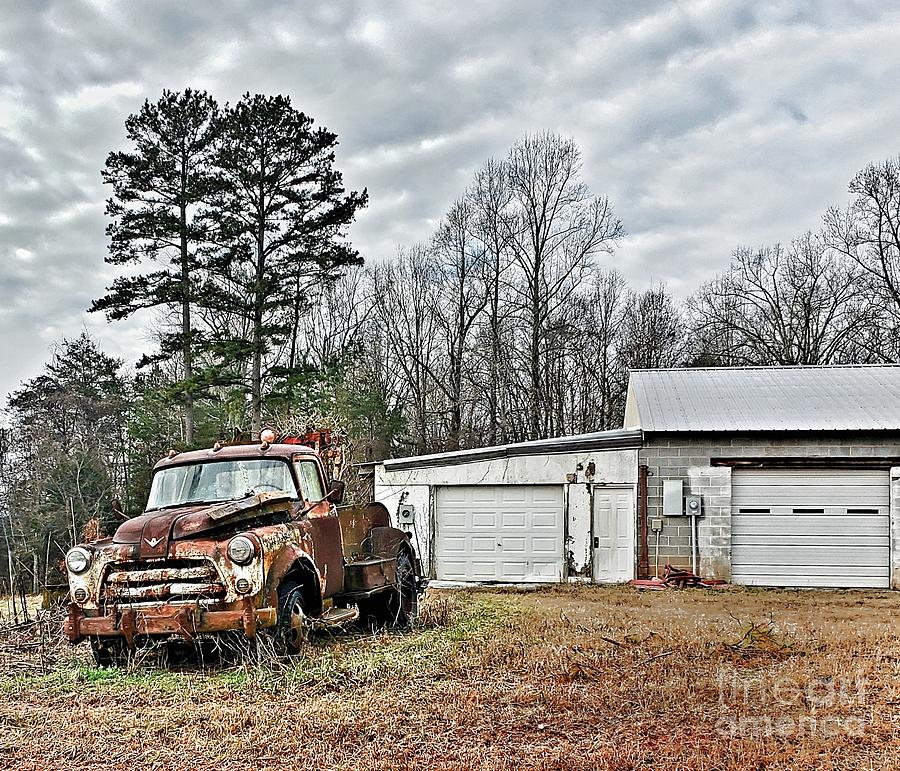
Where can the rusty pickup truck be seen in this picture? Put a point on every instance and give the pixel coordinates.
(247, 540)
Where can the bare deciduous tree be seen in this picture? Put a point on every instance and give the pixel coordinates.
(404, 290)
(652, 332)
(557, 227)
(868, 232)
(797, 305)
(460, 298)
(491, 200)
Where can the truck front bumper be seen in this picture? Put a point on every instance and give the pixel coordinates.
(187, 621)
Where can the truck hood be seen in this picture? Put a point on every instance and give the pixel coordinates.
(153, 530)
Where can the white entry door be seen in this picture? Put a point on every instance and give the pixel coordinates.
(506, 533)
(809, 527)
(614, 534)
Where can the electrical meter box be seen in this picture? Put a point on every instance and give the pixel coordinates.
(693, 506)
(406, 514)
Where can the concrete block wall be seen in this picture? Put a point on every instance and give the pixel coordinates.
(713, 485)
(689, 457)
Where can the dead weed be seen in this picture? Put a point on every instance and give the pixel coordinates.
(573, 679)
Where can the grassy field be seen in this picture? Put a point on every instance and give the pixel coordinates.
(570, 677)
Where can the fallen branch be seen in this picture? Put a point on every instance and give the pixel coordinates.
(652, 658)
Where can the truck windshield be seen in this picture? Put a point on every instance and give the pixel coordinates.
(219, 481)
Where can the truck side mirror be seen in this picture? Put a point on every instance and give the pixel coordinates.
(336, 492)
(117, 509)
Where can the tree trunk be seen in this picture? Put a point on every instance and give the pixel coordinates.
(534, 353)
(259, 301)
(295, 325)
(494, 392)
(256, 374)
(187, 353)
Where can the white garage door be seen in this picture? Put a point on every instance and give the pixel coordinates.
(499, 533)
(810, 528)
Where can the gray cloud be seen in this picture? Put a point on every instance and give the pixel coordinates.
(709, 123)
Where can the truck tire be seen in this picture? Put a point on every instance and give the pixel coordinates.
(292, 627)
(397, 607)
(405, 602)
(109, 652)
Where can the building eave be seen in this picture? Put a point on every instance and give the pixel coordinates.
(622, 439)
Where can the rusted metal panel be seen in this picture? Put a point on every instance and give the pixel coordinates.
(164, 591)
(327, 551)
(152, 529)
(235, 452)
(185, 621)
(387, 541)
(370, 574)
(356, 524)
(161, 574)
(155, 537)
(316, 540)
(260, 503)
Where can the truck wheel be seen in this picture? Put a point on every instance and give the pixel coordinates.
(109, 652)
(397, 606)
(403, 603)
(292, 627)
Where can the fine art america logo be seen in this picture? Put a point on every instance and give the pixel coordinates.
(751, 706)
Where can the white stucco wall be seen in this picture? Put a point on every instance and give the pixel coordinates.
(578, 530)
(895, 527)
(419, 496)
(416, 486)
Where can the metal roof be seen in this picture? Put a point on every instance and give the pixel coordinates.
(803, 398)
(620, 439)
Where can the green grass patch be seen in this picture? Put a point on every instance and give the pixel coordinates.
(352, 661)
(332, 662)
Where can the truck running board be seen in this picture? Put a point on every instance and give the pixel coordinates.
(337, 616)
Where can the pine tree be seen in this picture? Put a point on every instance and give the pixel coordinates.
(282, 214)
(69, 458)
(159, 190)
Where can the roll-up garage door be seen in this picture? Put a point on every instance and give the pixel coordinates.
(499, 533)
(810, 528)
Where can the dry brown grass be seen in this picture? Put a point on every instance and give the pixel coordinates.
(571, 677)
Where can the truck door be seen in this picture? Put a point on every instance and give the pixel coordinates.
(322, 523)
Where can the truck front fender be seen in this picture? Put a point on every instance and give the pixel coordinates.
(292, 562)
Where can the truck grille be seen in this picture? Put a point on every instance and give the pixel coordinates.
(153, 582)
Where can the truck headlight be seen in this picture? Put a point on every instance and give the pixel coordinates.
(241, 550)
(78, 559)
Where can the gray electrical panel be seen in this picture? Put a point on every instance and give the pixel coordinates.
(673, 505)
(406, 514)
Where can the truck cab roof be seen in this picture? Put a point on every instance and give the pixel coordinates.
(235, 452)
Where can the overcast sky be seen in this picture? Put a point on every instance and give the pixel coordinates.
(708, 124)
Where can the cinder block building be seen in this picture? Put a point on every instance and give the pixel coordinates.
(772, 476)
(794, 470)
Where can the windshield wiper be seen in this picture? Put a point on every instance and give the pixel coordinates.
(182, 503)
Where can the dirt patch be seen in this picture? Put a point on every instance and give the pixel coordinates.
(568, 677)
